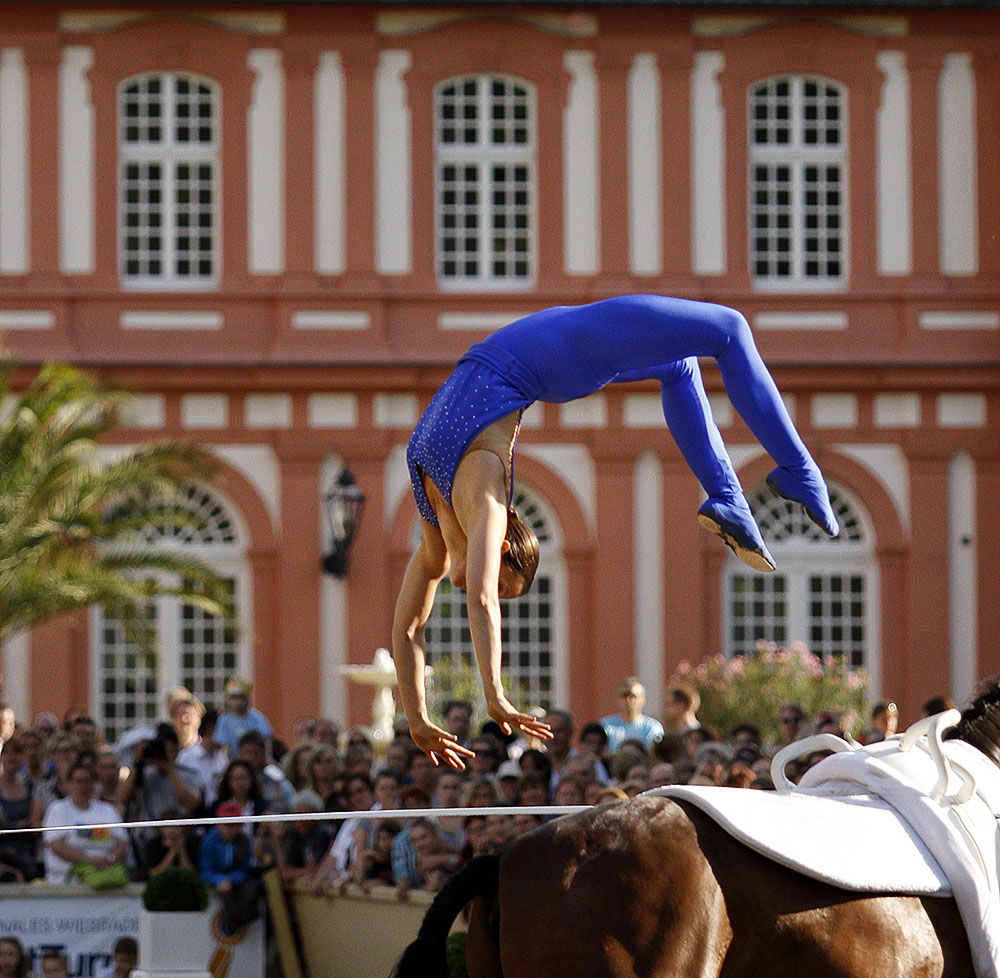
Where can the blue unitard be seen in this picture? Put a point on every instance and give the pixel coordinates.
(567, 352)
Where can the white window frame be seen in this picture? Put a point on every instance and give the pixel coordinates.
(553, 566)
(229, 561)
(482, 155)
(169, 154)
(797, 155)
(796, 560)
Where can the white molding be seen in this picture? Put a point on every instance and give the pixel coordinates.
(335, 410)
(166, 319)
(708, 165)
(329, 181)
(145, 411)
(395, 410)
(574, 465)
(896, 409)
(835, 410)
(644, 166)
(477, 320)
(331, 319)
(642, 411)
(581, 181)
(266, 163)
(584, 412)
(76, 162)
(202, 411)
(962, 577)
(393, 224)
(27, 319)
(961, 410)
(15, 666)
(259, 464)
(889, 467)
(399, 23)
(88, 22)
(958, 320)
(959, 212)
(267, 411)
(800, 320)
(14, 230)
(895, 238)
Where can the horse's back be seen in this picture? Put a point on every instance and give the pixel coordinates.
(654, 888)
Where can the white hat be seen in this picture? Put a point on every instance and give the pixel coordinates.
(509, 769)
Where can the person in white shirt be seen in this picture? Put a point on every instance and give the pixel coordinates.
(99, 846)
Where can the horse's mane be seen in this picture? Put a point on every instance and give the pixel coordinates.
(980, 722)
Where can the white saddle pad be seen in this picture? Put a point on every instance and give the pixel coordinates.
(857, 843)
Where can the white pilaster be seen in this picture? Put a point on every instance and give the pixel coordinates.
(392, 165)
(76, 162)
(895, 248)
(330, 186)
(962, 575)
(580, 178)
(266, 164)
(645, 231)
(708, 165)
(13, 162)
(15, 664)
(957, 166)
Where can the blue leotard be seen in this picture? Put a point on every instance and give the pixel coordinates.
(567, 352)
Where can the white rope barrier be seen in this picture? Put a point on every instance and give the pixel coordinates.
(316, 817)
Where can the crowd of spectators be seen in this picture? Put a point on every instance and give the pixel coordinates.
(201, 761)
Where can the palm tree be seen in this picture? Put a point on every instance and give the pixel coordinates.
(70, 513)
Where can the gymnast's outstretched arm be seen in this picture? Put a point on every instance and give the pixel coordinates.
(479, 501)
(426, 568)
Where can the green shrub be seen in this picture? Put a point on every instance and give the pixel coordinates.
(751, 688)
(455, 954)
(176, 888)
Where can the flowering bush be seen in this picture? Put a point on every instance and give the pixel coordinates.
(751, 688)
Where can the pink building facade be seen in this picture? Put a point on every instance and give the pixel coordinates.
(281, 224)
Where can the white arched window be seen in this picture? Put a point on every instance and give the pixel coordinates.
(485, 147)
(531, 625)
(168, 148)
(797, 135)
(192, 648)
(823, 591)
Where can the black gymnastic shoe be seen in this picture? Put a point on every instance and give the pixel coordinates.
(809, 490)
(739, 531)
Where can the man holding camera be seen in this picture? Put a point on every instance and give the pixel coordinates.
(157, 782)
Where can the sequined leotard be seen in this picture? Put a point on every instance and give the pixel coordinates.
(567, 352)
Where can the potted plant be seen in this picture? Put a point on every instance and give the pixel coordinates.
(174, 936)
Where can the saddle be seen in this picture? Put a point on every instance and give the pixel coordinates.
(913, 815)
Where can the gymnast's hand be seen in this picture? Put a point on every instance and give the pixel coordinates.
(439, 745)
(508, 717)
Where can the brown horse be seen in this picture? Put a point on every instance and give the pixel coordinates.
(653, 888)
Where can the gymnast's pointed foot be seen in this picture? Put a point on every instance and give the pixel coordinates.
(733, 521)
(806, 486)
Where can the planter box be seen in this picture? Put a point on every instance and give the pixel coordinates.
(174, 944)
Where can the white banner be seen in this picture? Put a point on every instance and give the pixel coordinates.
(85, 929)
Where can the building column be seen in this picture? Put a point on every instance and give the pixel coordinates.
(685, 574)
(612, 620)
(291, 666)
(301, 62)
(359, 60)
(42, 58)
(675, 60)
(925, 68)
(928, 674)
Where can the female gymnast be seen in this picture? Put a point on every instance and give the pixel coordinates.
(461, 464)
